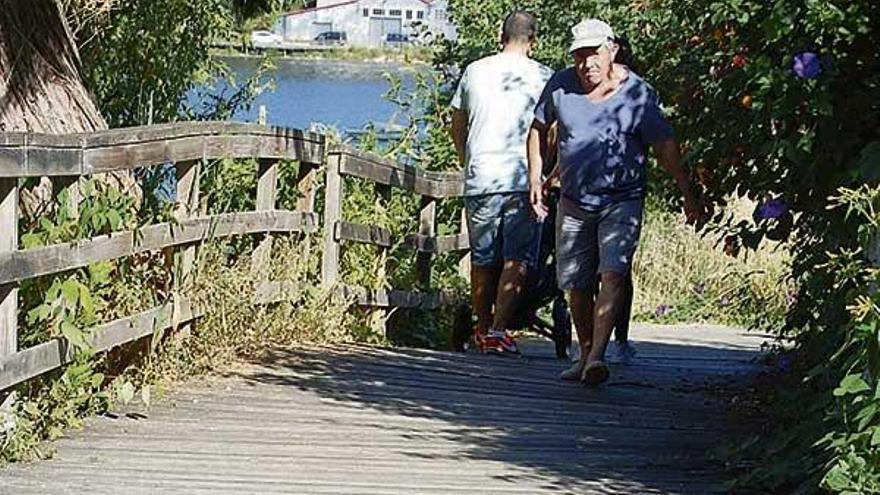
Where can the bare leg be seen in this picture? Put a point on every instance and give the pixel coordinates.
(581, 305)
(621, 327)
(483, 288)
(609, 303)
(510, 288)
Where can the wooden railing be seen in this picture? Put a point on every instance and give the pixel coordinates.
(67, 158)
(430, 186)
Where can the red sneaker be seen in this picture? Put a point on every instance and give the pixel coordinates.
(499, 342)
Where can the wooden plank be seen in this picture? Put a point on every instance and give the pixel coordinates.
(306, 184)
(8, 244)
(267, 194)
(438, 244)
(34, 155)
(397, 298)
(410, 421)
(20, 265)
(124, 157)
(42, 358)
(366, 234)
(333, 191)
(188, 193)
(382, 171)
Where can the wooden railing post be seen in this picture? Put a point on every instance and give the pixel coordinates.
(305, 181)
(184, 259)
(8, 242)
(267, 195)
(427, 227)
(333, 191)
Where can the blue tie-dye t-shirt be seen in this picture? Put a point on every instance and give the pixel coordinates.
(602, 145)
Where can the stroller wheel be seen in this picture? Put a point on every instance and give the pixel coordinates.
(561, 327)
(462, 327)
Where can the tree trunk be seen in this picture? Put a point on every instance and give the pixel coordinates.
(41, 89)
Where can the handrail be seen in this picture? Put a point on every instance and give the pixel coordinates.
(37, 155)
(187, 145)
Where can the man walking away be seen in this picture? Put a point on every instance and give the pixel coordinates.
(494, 106)
(607, 117)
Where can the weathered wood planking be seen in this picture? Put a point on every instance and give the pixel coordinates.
(333, 191)
(8, 244)
(376, 169)
(438, 245)
(369, 420)
(35, 155)
(42, 358)
(398, 298)
(20, 265)
(366, 234)
(371, 234)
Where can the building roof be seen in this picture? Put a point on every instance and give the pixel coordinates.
(340, 4)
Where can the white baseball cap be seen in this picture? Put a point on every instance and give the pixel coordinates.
(590, 33)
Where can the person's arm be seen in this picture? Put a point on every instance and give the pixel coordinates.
(459, 133)
(669, 157)
(536, 151)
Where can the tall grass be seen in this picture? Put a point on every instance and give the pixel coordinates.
(681, 276)
(234, 327)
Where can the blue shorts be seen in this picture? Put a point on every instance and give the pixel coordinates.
(591, 243)
(502, 228)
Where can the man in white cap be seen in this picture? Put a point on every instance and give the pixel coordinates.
(607, 117)
(494, 106)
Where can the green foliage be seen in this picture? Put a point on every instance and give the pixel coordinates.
(59, 401)
(751, 126)
(144, 61)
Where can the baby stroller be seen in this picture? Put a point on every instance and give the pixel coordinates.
(541, 290)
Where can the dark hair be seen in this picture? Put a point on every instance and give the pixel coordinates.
(519, 27)
(625, 53)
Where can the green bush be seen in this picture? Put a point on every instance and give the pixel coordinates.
(775, 101)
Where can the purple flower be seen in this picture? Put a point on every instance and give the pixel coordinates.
(806, 65)
(772, 208)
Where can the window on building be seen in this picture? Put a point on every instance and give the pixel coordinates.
(409, 14)
(420, 14)
(441, 15)
(366, 12)
(395, 13)
(378, 11)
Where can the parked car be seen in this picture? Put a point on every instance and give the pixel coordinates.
(264, 38)
(396, 39)
(331, 38)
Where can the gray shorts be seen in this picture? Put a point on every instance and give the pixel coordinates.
(502, 228)
(591, 243)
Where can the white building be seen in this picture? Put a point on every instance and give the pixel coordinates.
(367, 22)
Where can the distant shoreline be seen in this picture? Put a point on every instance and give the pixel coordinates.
(355, 55)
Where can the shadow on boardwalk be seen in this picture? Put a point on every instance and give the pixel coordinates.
(651, 429)
(357, 419)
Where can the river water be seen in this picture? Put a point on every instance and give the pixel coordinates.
(345, 95)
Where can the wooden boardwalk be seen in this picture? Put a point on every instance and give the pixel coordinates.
(362, 420)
